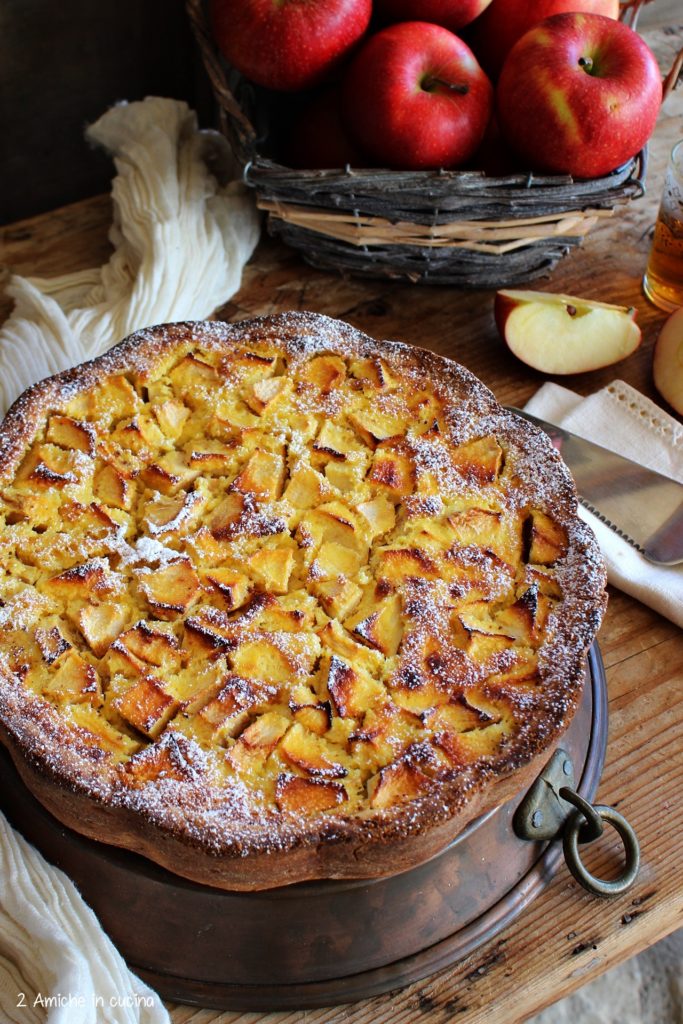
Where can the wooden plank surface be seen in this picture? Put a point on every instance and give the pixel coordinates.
(565, 937)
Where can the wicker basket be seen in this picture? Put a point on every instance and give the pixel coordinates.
(460, 228)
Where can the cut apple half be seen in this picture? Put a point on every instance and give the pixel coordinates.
(667, 365)
(565, 334)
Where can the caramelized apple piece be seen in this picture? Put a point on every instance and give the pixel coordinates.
(193, 378)
(169, 472)
(393, 471)
(100, 625)
(267, 393)
(374, 425)
(263, 474)
(396, 784)
(326, 372)
(52, 643)
(155, 646)
(170, 758)
(335, 441)
(334, 560)
(114, 487)
(352, 689)
(202, 640)
(479, 461)
(309, 752)
(112, 400)
(307, 796)
(272, 568)
(315, 717)
(172, 513)
(92, 577)
(374, 371)
(75, 681)
(258, 739)
(233, 586)
(306, 487)
(338, 596)
(378, 623)
(171, 416)
(229, 707)
(170, 590)
(379, 515)
(548, 540)
(398, 564)
(69, 433)
(263, 659)
(337, 641)
(46, 466)
(147, 706)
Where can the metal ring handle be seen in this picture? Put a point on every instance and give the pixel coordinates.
(570, 843)
(592, 828)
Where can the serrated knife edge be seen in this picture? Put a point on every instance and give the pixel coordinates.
(613, 526)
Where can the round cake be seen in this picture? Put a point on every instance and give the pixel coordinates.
(282, 602)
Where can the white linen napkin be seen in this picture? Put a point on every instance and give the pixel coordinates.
(619, 418)
(56, 963)
(180, 242)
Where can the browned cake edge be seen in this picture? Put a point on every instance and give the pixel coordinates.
(79, 786)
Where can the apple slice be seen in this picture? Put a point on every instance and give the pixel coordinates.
(563, 333)
(667, 366)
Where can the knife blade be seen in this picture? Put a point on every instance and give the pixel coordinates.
(644, 507)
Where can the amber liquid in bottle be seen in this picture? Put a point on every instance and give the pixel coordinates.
(664, 274)
(663, 280)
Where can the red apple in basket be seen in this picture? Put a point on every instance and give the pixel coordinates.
(503, 22)
(287, 44)
(563, 333)
(415, 98)
(318, 137)
(578, 94)
(451, 14)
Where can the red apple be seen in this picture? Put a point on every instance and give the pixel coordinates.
(415, 98)
(287, 44)
(564, 334)
(451, 14)
(318, 137)
(494, 157)
(503, 22)
(578, 94)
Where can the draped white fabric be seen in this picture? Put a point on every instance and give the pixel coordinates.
(180, 244)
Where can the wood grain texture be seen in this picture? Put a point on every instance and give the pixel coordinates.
(566, 937)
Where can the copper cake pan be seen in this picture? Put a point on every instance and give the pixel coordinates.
(315, 943)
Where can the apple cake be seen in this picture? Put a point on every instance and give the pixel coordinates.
(282, 602)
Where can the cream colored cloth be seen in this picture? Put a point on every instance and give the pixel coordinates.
(619, 418)
(56, 963)
(180, 243)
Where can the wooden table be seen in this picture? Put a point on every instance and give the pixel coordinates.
(566, 937)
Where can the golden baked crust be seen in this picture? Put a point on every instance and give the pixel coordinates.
(281, 602)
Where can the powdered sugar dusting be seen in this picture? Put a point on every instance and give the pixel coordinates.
(253, 594)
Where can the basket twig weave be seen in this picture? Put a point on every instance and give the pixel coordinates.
(461, 228)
